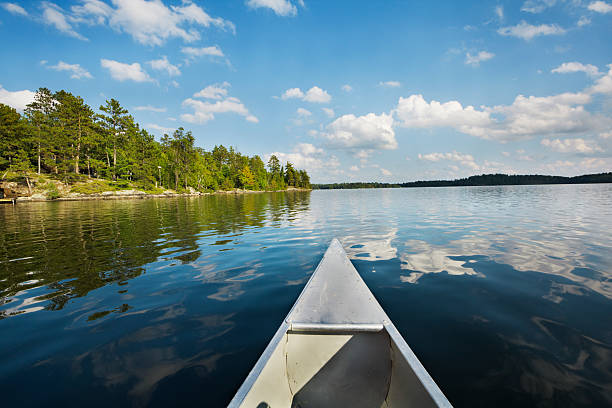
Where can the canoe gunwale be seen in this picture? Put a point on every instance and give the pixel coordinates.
(259, 366)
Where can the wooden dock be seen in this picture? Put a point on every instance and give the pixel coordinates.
(8, 201)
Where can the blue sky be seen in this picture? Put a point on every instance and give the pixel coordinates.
(349, 90)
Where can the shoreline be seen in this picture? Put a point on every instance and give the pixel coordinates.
(134, 194)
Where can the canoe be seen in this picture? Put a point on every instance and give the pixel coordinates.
(338, 348)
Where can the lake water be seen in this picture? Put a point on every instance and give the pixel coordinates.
(504, 293)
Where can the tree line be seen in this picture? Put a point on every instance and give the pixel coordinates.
(480, 180)
(60, 135)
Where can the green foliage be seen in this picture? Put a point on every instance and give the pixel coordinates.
(60, 135)
(52, 191)
(93, 187)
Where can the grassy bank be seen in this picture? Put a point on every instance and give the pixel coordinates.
(44, 187)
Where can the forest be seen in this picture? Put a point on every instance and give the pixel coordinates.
(480, 180)
(59, 135)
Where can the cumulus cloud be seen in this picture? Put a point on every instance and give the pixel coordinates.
(570, 67)
(415, 112)
(385, 172)
(583, 21)
(499, 12)
(159, 129)
(347, 88)
(14, 9)
(153, 23)
(16, 99)
(604, 84)
(193, 53)
(311, 158)
(475, 60)
(526, 117)
(390, 84)
(55, 16)
(317, 95)
(215, 91)
(354, 168)
(76, 71)
(361, 134)
(465, 160)
(292, 93)
(313, 95)
(281, 8)
(577, 145)
(163, 64)
(204, 111)
(149, 108)
(303, 113)
(329, 112)
(527, 31)
(537, 6)
(125, 72)
(600, 7)
(149, 22)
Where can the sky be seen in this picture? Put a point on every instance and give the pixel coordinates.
(349, 90)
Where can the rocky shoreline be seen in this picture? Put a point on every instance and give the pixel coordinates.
(137, 194)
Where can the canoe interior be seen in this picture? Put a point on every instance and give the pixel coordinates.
(337, 369)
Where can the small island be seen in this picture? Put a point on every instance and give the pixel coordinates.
(59, 148)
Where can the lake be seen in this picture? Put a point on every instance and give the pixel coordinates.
(504, 293)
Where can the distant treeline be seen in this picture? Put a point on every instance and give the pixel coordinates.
(60, 135)
(481, 180)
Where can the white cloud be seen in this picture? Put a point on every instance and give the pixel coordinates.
(475, 60)
(193, 52)
(604, 84)
(206, 111)
(149, 108)
(600, 7)
(465, 160)
(569, 67)
(385, 172)
(526, 117)
(303, 113)
(577, 145)
(160, 129)
(361, 134)
(293, 93)
(149, 22)
(55, 16)
(14, 9)
(583, 21)
(215, 91)
(499, 12)
(313, 95)
(347, 88)
(125, 72)
(281, 8)
(317, 95)
(77, 72)
(163, 64)
(311, 158)
(390, 84)
(527, 31)
(329, 112)
(354, 168)
(16, 99)
(415, 112)
(537, 6)
(606, 135)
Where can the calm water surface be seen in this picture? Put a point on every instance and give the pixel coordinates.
(504, 293)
